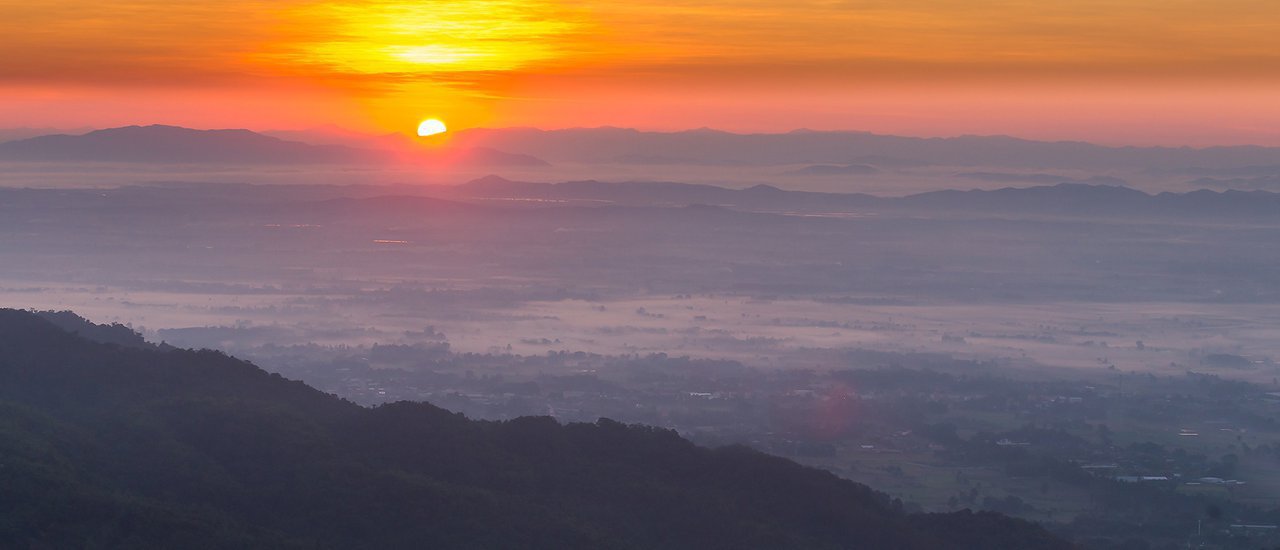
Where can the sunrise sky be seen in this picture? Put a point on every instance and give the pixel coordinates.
(1192, 72)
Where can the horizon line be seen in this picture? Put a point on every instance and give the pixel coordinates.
(337, 129)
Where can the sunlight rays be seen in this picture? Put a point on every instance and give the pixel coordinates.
(420, 38)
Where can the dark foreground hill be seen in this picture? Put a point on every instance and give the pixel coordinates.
(104, 445)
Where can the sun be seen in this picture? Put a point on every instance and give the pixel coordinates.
(431, 127)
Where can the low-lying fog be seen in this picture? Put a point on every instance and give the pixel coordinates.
(1159, 337)
(918, 340)
(504, 267)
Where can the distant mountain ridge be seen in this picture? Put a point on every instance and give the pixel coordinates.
(174, 144)
(494, 195)
(1064, 199)
(165, 144)
(622, 145)
(14, 134)
(830, 153)
(111, 446)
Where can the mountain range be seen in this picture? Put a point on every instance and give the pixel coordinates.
(844, 149)
(827, 153)
(172, 144)
(1074, 200)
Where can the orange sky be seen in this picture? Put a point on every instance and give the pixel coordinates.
(1121, 71)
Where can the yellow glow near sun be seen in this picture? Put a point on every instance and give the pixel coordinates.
(431, 127)
(426, 56)
(395, 37)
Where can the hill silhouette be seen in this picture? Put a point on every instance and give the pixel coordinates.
(623, 145)
(826, 153)
(174, 144)
(1075, 200)
(166, 144)
(107, 446)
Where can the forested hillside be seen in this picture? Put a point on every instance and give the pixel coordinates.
(107, 446)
